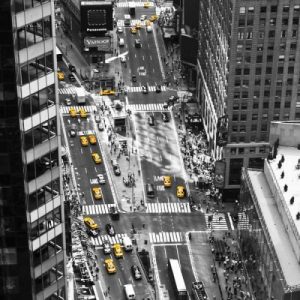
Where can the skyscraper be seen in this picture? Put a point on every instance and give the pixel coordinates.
(262, 76)
(32, 256)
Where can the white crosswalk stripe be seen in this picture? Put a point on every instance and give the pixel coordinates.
(243, 223)
(136, 89)
(70, 91)
(146, 107)
(117, 239)
(136, 4)
(88, 108)
(166, 237)
(218, 221)
(163, 208)
(100, 209)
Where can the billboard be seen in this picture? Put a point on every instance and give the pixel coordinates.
(220, 174)
(101, 43)
(189, 49)
(96, 17)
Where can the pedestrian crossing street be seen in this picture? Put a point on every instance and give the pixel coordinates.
(169, 208)
(136, 4)
(70, 91)
(218, 221)
(146, 107)
(166, 237)
(136, 89)
(87, 108)
(117, 239)
(101, 209)
(243, 223)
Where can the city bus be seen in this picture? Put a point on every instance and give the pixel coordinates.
(59, 55)
(177, 280)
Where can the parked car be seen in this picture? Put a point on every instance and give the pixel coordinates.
(72, 68)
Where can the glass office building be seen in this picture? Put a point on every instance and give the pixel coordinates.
(32, 256)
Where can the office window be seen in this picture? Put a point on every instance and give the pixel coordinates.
(289, 81)
(239, 48)
(266, 105)
(258, 71)
(268, 70)
(244, 95)
(273, 21)
(273, 8)
(271, 33)
(245, 83)
(234, 128)
(244, 106)
(291, 70)
(288, 93)
(283, 34)
(253, 127)
(293, 46)
(294, 33)
(261, 34)
(238, 71)
(249, 22)
(285, 21)
(282, 46)
(252, 149)
(262, 21)
(249, 35)
(237, 82)
(271, 47)
(242, 10)
(254, 117)
(287, 104)
(256, 94)
(243, 117)
(265, 116)
(295, 21)
(292, 57)
(257, 82)
(278, 93)
(280, 70)
(242, 128)
(277, 104)
(236, 95)
(247, 58)
(235, 106)
(248, 46)
(264, 127)
(250, 10)
(266, 93)
(242, 22)
(246, 71)
(297, 116)
(240, 35)
(235, 117)
(232, 150)
(259, 59)
(263, 9)
(286, 8)
(286, 116)
(260, 47)
(281, 58)
(267, 81)
(241, 150)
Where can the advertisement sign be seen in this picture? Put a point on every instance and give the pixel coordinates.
(189, 49)
(100, 43)
(220, 168)
(96, 17)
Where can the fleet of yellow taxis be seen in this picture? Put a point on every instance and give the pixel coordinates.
(134, 29)
(81, 112)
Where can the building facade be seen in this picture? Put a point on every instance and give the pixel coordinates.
(262, 78)
(32, 256)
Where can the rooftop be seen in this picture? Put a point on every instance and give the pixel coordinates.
(291, 179)
(274, 224)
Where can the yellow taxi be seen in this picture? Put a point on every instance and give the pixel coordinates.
(92, 139)
(96, 158)
(167, 181)
(153, 18)
(82, 113)
(138, 25)
(84, 141)
(60, 75)
(107, 92)
(90, 223)
(180, 191)
(118, 251)
(133, 30)
(147, 4)
(148, 23)
(110, 266)
(97, 192)
(72, 112)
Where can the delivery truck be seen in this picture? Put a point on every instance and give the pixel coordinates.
(80, 95)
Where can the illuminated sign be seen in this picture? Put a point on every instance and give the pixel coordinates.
(101, 43)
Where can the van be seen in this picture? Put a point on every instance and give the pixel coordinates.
(121, 42)
(127, 243)
(150, 190)
(129, 291)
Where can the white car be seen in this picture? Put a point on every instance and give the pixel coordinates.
(101, 179)
(68, 101)
(149, 28)
(143, 17)
(120, 29)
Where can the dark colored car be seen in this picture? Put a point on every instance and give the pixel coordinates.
(136, 272)
(71, 77)
(165, 117)
(72, 133)
(91, 232)
(116, 167)
(72, 68)
(114, 213)
(158, 88)
(165, 105)
(151, 121)
(133, 78)
(110, 229)
(145, 89)
(138, 43)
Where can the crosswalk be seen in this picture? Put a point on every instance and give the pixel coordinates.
(100, 209)
(243, 223)
(136, 4)
(218, 221)
(117, 239)
(87, 108)
(136, 89)
(166, 237)
(69, 91)
(146, 107)
(168, 208)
